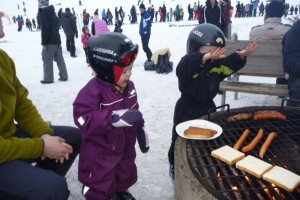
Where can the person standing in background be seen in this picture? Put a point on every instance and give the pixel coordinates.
(68, 23)
(227, 10)
(84, 40)
(51, 43)
(212, 13)
(261, 9)
(145, 31)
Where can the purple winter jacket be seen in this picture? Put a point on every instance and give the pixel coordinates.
(103, 145)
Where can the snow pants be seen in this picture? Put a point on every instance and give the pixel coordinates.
(53, 52)
(70, 44)
(145, 44)
(21, 179)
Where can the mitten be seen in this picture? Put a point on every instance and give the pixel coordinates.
(126, 117)
(142, 138)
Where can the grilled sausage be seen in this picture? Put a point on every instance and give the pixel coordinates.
(269, 114)
(239, 117)
(267, 143)
(241, 139)
(254, 142)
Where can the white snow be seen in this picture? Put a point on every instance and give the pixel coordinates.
(157, 94)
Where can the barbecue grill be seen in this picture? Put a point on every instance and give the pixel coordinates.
(194, 163)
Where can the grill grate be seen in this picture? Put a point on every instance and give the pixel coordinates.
(228, 182)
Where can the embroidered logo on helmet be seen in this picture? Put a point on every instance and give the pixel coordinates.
(200, 34)
(219, 40)
(106, 51)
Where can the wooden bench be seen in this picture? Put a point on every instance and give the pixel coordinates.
(266, 61)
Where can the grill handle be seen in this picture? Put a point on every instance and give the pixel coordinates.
(295, 101)
(212, 110)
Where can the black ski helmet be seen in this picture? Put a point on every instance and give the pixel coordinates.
(109, 49)
(204, 35)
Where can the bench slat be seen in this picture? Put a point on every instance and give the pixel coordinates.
(265, 61)
(255, 88)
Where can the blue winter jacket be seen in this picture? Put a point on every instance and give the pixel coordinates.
(145, 24)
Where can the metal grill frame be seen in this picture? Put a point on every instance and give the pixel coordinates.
(284, 152)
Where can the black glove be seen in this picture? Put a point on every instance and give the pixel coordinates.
(76, 35)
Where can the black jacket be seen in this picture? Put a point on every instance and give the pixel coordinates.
(212, 15)
(68, 23)
(199, 83)
(291, 60)
(49, 26)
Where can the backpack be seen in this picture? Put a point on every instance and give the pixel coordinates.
(160, 62)
(164, 66)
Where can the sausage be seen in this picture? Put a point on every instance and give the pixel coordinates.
(241, 139)
(269, 114)
(254, 142)
(267, 143)
(198, 132)
(239, 117)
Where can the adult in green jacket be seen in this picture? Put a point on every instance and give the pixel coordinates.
(34, 157)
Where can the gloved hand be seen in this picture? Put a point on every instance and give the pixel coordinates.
(126, 117)
(76, 35)
(142, 138)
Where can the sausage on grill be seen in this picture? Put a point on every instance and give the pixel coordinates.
(254, 142)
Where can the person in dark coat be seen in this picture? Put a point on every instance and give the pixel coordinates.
(68, 23)
(261, 9)
(117, 14)
(133, 15)
(60, 14)
(212, 13)
(33, 23)
(291, 61)
(51, 43)
(199, 74)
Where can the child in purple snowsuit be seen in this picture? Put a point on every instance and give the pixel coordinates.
(106, 111)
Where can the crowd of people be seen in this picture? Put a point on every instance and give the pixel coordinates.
(255, 9)
(106, 110)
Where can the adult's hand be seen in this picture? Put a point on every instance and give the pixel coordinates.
(56, 148)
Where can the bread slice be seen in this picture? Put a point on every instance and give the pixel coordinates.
(282, 178)
(227, 154)
(253, 165)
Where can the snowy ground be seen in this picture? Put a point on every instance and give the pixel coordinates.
(157, 95)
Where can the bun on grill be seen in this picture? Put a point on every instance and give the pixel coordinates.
(282, 178)
(253, 166)
(227, 154)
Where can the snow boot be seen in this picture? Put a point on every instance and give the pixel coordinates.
(124, 195)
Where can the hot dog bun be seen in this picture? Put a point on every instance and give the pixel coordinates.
(197, 132)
